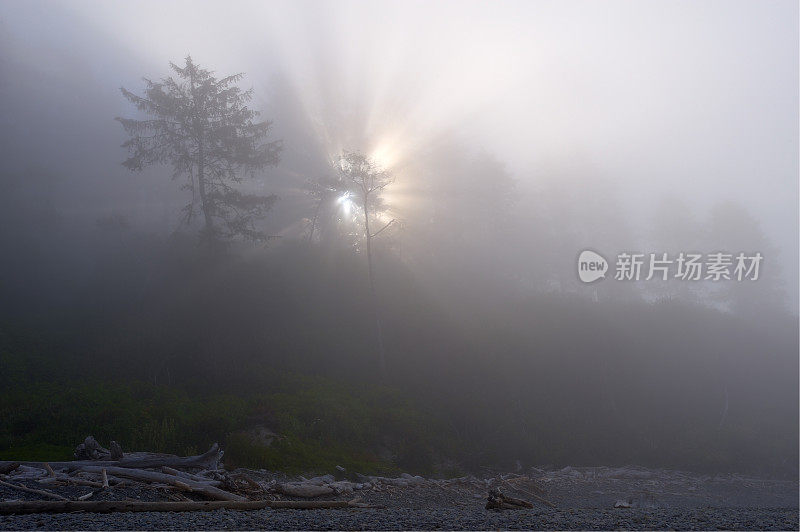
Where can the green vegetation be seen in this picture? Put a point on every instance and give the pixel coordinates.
(319, 424)
(228, 349)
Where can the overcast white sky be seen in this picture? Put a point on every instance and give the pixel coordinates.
(699, 99)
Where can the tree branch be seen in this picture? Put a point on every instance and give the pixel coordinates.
(382, 229)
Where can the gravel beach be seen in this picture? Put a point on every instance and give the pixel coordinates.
(586, 499)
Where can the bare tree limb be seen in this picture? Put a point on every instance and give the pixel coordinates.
(382, 229)
(31, 490)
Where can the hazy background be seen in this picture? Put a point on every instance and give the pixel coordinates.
(519, 133)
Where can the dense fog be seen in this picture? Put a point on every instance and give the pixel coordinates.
(512, 136)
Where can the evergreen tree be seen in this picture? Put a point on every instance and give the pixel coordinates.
(202, 126)
(366, 180)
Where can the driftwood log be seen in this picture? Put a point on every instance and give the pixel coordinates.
(116, 451)
(304, 489)
(497, 500)
(91, 450)
(190, 476)
(187, 484)
(531, 494)
(35, 507)
(208, 460)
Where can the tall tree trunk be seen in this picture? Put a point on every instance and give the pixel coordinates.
(314, 221)
(208, 229)
(373, 294)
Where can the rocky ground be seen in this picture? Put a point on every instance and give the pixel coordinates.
(585, 498)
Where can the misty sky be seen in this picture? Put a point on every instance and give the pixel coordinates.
(692, 99)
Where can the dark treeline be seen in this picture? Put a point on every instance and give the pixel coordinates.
(541, 379)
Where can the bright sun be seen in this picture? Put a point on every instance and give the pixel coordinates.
(346, 202)
(384, 156)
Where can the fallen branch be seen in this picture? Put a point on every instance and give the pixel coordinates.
(204, 488)
(31, 490)
(70, 480)
(35, 507)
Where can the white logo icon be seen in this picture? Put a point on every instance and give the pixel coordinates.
(591, 266)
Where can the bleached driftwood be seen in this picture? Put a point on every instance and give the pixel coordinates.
(190, 476)
(204, 488)
(31, 490)
(249, 481)
(116, 451)
(208, 460)
(91, 450)
(304, 489)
